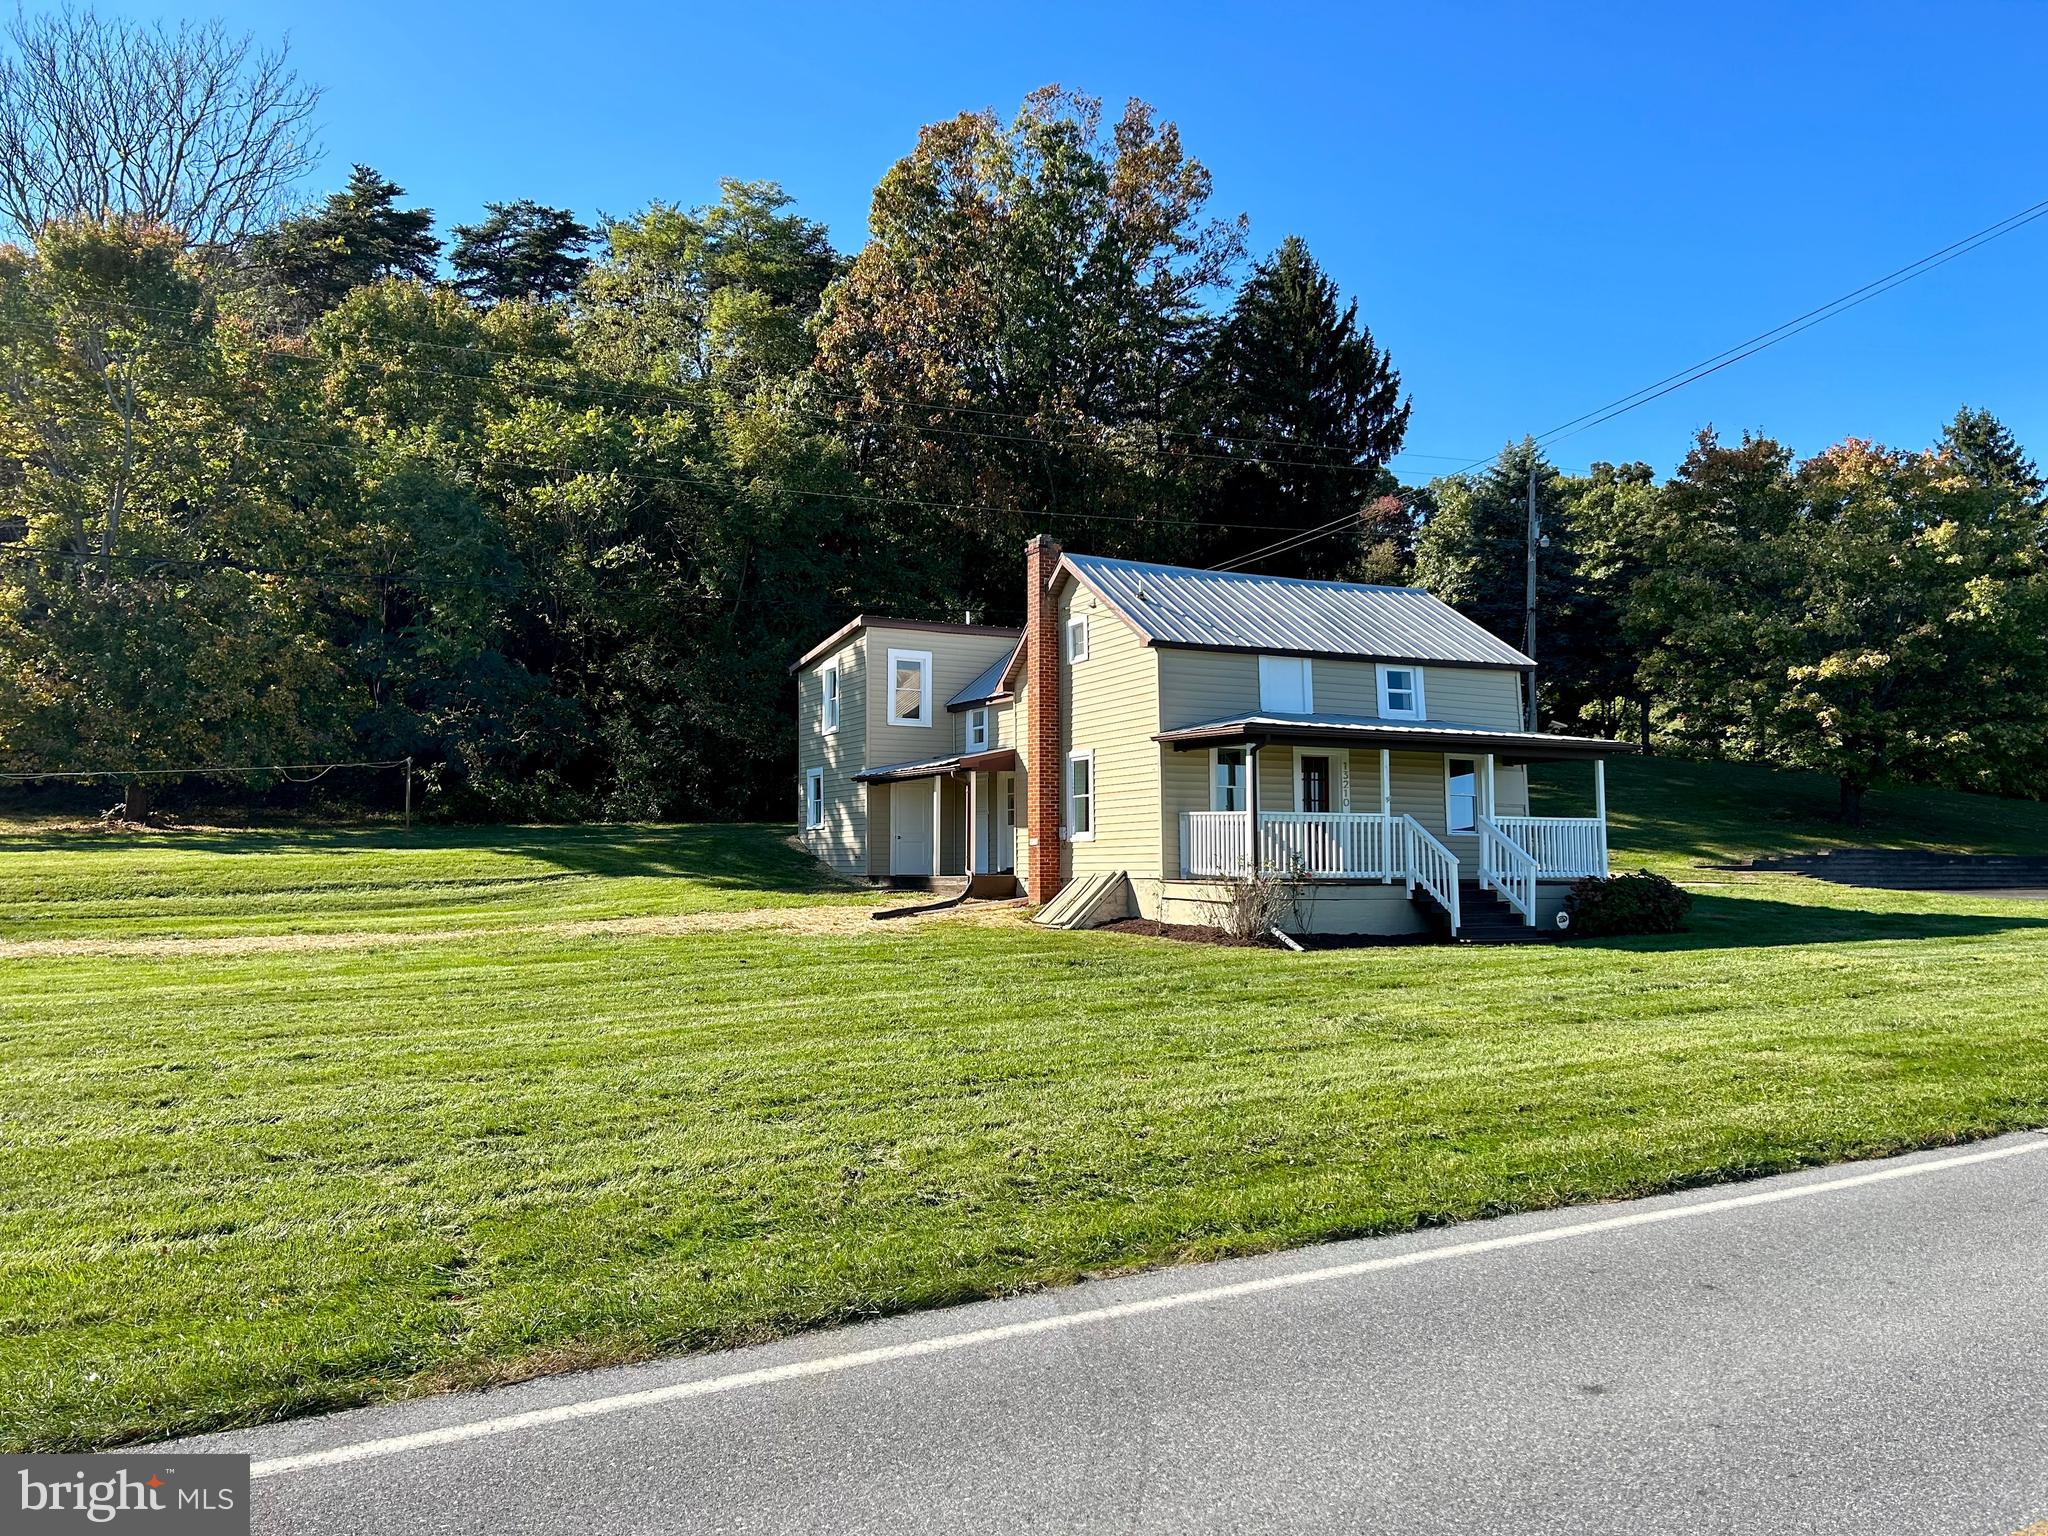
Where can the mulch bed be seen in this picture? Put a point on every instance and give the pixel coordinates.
(1185, 933)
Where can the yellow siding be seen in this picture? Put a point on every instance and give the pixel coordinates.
(1184, 786)
(1198, 686)
(1110, 706)
(1019, 714)
(1473, 696)
(1346, 687)
(957, 660)
(842, 841)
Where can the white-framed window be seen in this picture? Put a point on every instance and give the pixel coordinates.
(1400, 692)
(1080, 797)
(828, 678)
(910, 687)
(1226, 778)
(1286, 686)
(1461, 794)
(1077, 637)
(977, 730)
(814, 798)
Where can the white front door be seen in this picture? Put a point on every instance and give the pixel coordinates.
(910, 827)
(1005, 817)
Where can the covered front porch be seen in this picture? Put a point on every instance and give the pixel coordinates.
(1417, 804)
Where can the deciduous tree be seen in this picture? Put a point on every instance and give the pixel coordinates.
(190, 128)
(1014, 349)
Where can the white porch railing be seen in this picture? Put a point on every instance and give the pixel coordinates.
(1514, 851)
(1213, 843)
(1564, 847)
(1430, 865)
(1332, 845)
(1508, 868)
(1329, 845)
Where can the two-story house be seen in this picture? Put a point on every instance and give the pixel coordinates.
(1155, 732)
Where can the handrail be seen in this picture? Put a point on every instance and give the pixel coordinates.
(1508, 868)
(1428, 863)
(1564, 847)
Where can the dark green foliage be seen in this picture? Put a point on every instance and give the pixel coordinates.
(1310, 411)
(520, 250)
(1643, 902)
(1471, 549)
(1983, 448)
(356, 236)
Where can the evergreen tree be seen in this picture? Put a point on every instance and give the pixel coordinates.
(1310, 409)
(1983, 447)
(521, 250)
(357, 236)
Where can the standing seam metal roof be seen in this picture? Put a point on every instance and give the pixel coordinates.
(986, 684)
(1239, 610)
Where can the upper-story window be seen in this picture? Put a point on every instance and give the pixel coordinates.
(1286, 686)
(1400, 693)
(977, 730)
(1077, 637)
(829, 678)
(910, 687)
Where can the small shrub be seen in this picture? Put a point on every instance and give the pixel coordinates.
(1637, 903)
(1261, 902)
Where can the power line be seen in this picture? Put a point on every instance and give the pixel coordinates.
(1728, 357)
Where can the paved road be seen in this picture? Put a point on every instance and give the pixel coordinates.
(1852, 1354)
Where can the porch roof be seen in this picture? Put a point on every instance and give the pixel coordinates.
(1001, 760)
(1362, 731)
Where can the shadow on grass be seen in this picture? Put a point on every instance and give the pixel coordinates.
(734, 856)
(1737, 922)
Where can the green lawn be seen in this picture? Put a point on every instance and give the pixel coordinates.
(245, 1181)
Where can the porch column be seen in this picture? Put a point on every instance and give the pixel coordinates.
(1387, 860)
(1600, 806)
(938, 827)
(1490, 815)
(973, 827)
(1251, 808)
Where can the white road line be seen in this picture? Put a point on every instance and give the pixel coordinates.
(625, 1402)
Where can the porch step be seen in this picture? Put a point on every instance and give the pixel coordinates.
(1088, 902)
(1483, 918)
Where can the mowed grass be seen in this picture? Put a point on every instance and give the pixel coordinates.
(197, 884)
(237, 1185)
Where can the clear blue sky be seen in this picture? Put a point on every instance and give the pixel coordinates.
(1539, 207)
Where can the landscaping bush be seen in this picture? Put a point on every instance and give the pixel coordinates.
(1637, 903)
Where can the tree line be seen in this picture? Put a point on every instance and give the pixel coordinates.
(548, 505)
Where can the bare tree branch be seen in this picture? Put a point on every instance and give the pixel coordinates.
(193, 128)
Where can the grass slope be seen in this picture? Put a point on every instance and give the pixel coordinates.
(241, 1185)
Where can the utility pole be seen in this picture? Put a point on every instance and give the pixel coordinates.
(1529, 590)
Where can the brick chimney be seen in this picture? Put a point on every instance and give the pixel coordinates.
(1043, 769)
